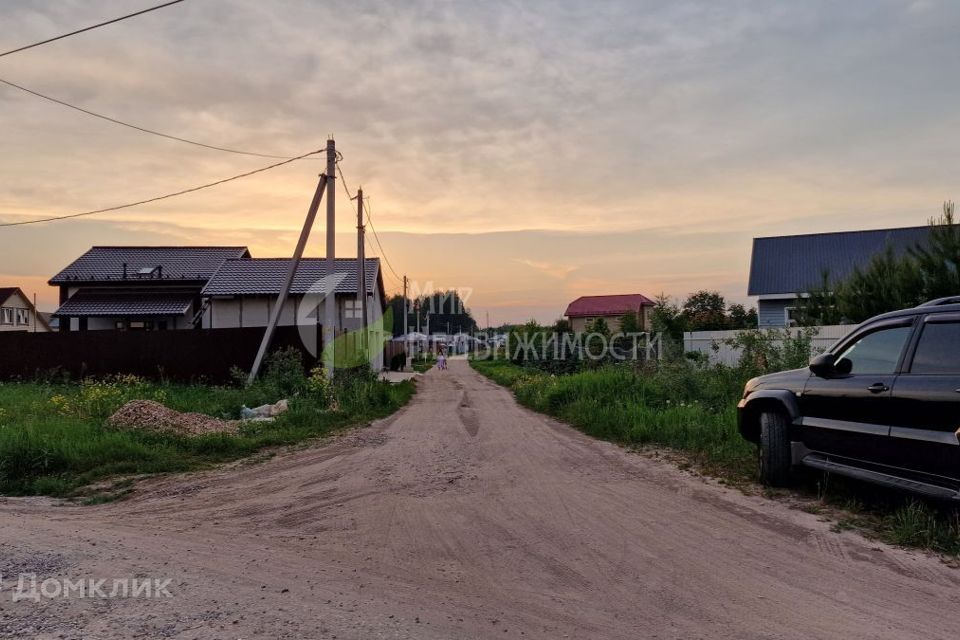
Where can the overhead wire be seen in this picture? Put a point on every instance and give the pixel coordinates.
(163, 197)
(135, 127)
(383, 253)
(91, 27)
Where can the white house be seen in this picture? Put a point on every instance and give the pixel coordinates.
(17, 312)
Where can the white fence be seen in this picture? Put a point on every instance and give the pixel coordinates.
(704, 341)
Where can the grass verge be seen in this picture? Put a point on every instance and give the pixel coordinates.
(54, 440)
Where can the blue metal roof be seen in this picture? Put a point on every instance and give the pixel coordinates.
(795, 264)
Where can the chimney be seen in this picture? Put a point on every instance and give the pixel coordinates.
(160, 271)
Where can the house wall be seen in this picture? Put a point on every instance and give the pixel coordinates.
(254, 311)
(772, 313)
(579, 325)
(17, 314)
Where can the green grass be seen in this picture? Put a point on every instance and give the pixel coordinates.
(618, 405)
(692, 410)
(54, 440)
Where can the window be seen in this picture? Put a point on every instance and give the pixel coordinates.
(353, 309)
(790, 316)
(6, 315)
(939, 349)
(22, 316)
(877, 352)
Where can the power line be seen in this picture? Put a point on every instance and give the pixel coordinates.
(164, 197)
(95, 26)
(383, 253)
(139, 128)
(377, 238)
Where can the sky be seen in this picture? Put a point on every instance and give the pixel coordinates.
(525, 152)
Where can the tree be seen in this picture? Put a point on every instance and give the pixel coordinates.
(630, 323)
(820, 306)
(667, 318)
(444, 308)
(889, 282)
(705, 311)
(562, 325)
(938, 260)
(739, 317)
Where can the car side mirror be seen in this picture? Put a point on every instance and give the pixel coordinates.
(822, 366)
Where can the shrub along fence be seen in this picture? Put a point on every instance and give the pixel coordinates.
(185, 356)
(717, 344)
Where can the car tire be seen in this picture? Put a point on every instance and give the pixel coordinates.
(775, 463)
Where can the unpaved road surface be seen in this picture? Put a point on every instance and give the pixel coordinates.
(464, 516)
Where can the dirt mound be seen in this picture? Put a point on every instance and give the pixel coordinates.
(147, 414)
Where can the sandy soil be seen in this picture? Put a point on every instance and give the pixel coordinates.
(464, 516)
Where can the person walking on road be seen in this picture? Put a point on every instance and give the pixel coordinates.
(441, 360)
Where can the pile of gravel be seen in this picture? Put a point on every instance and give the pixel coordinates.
(153, 416)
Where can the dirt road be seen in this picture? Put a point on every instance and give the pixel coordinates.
(464, 516)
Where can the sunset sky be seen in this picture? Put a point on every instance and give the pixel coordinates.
(530, 151)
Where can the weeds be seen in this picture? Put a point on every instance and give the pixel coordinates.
(53, 437)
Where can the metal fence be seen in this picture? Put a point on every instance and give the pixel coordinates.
(190, 355)
(712, 343)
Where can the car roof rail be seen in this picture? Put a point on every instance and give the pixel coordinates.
(942, 301)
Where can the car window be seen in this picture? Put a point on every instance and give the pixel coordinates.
(877, 352)
(938, 350)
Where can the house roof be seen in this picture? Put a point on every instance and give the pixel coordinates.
(99, 304)
(264, 276)
(795, 264)
(6, 292)
(613, 305)
(102, 264)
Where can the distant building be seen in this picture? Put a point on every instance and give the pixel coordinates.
(585, 309)
(17, 312)
(785, 268)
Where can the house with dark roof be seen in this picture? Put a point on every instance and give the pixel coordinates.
(784, 269)
(17, 312)
(158, 288)
(243, 292)
(137, 288)
(585, 309)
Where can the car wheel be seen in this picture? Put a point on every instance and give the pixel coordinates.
(775, 461)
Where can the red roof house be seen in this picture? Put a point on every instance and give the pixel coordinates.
(586, 309)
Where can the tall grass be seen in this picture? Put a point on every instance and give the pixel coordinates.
(685, 409)
(54, 439)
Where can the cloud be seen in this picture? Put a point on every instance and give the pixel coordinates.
(696, 123)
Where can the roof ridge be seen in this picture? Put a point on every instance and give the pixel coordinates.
(835, 233)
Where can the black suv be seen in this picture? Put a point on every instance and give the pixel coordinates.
(882, 405)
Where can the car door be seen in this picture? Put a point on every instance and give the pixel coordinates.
(926, 401)
(848, 414)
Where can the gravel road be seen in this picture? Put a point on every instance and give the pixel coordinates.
(463, 516)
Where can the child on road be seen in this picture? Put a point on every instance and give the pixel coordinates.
(441, 360)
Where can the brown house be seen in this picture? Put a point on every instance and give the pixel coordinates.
(586, 309)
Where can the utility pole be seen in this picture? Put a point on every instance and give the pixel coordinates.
(406, 311)
(288, 280)
(330, 299)
(361, 270)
